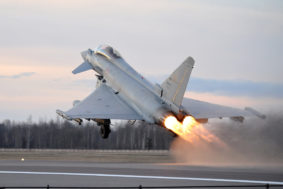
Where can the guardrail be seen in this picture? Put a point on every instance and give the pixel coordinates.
(267, 186)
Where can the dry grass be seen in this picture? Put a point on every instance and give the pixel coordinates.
(117, 156)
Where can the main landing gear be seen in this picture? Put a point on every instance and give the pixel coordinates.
(104, 127)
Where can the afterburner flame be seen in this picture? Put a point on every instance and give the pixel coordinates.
(189, 129)
(172, 123)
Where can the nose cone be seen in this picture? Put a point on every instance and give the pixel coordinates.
(84, 54)
(87, 52)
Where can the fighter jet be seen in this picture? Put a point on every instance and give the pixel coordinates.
(122, 93)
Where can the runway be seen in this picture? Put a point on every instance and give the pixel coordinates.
(84, 174)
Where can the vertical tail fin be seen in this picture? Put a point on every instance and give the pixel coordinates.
(175, 86)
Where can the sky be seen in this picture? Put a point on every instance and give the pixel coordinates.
(237, 46)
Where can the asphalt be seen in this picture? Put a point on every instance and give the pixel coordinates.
(89, 174)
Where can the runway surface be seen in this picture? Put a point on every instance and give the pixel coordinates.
(60, 173)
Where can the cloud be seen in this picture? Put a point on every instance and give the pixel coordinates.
(17, 76)
(235, 88)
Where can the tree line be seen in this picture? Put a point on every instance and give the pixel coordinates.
(57, 134)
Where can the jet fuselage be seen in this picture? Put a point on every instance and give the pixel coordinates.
(124, 94)
(134, 89)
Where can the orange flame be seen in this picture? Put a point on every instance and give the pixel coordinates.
(189, 129)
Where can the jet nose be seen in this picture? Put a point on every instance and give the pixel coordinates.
(84, 54)
(87, 52)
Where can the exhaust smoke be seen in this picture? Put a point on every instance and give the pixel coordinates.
(253, 142)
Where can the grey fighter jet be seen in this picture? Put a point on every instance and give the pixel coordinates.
(122, 93)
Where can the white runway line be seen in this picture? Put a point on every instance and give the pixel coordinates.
(143, 177)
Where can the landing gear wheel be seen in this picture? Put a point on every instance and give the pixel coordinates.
(105, 131)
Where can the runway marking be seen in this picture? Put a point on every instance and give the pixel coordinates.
(144, 177)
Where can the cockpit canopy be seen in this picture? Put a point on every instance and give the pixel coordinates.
(108, 51)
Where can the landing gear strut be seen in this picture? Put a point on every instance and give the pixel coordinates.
(105, 131)
(104, 127)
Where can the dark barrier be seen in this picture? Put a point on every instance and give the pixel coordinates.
(267, 186)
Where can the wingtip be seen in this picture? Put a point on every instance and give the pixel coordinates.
(62, 114)
(255, 112)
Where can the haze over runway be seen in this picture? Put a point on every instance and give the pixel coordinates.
(237, 46)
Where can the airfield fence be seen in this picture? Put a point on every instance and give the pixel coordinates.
(267, 186)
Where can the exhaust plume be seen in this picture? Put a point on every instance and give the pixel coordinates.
(190, 130)
(254, 142)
